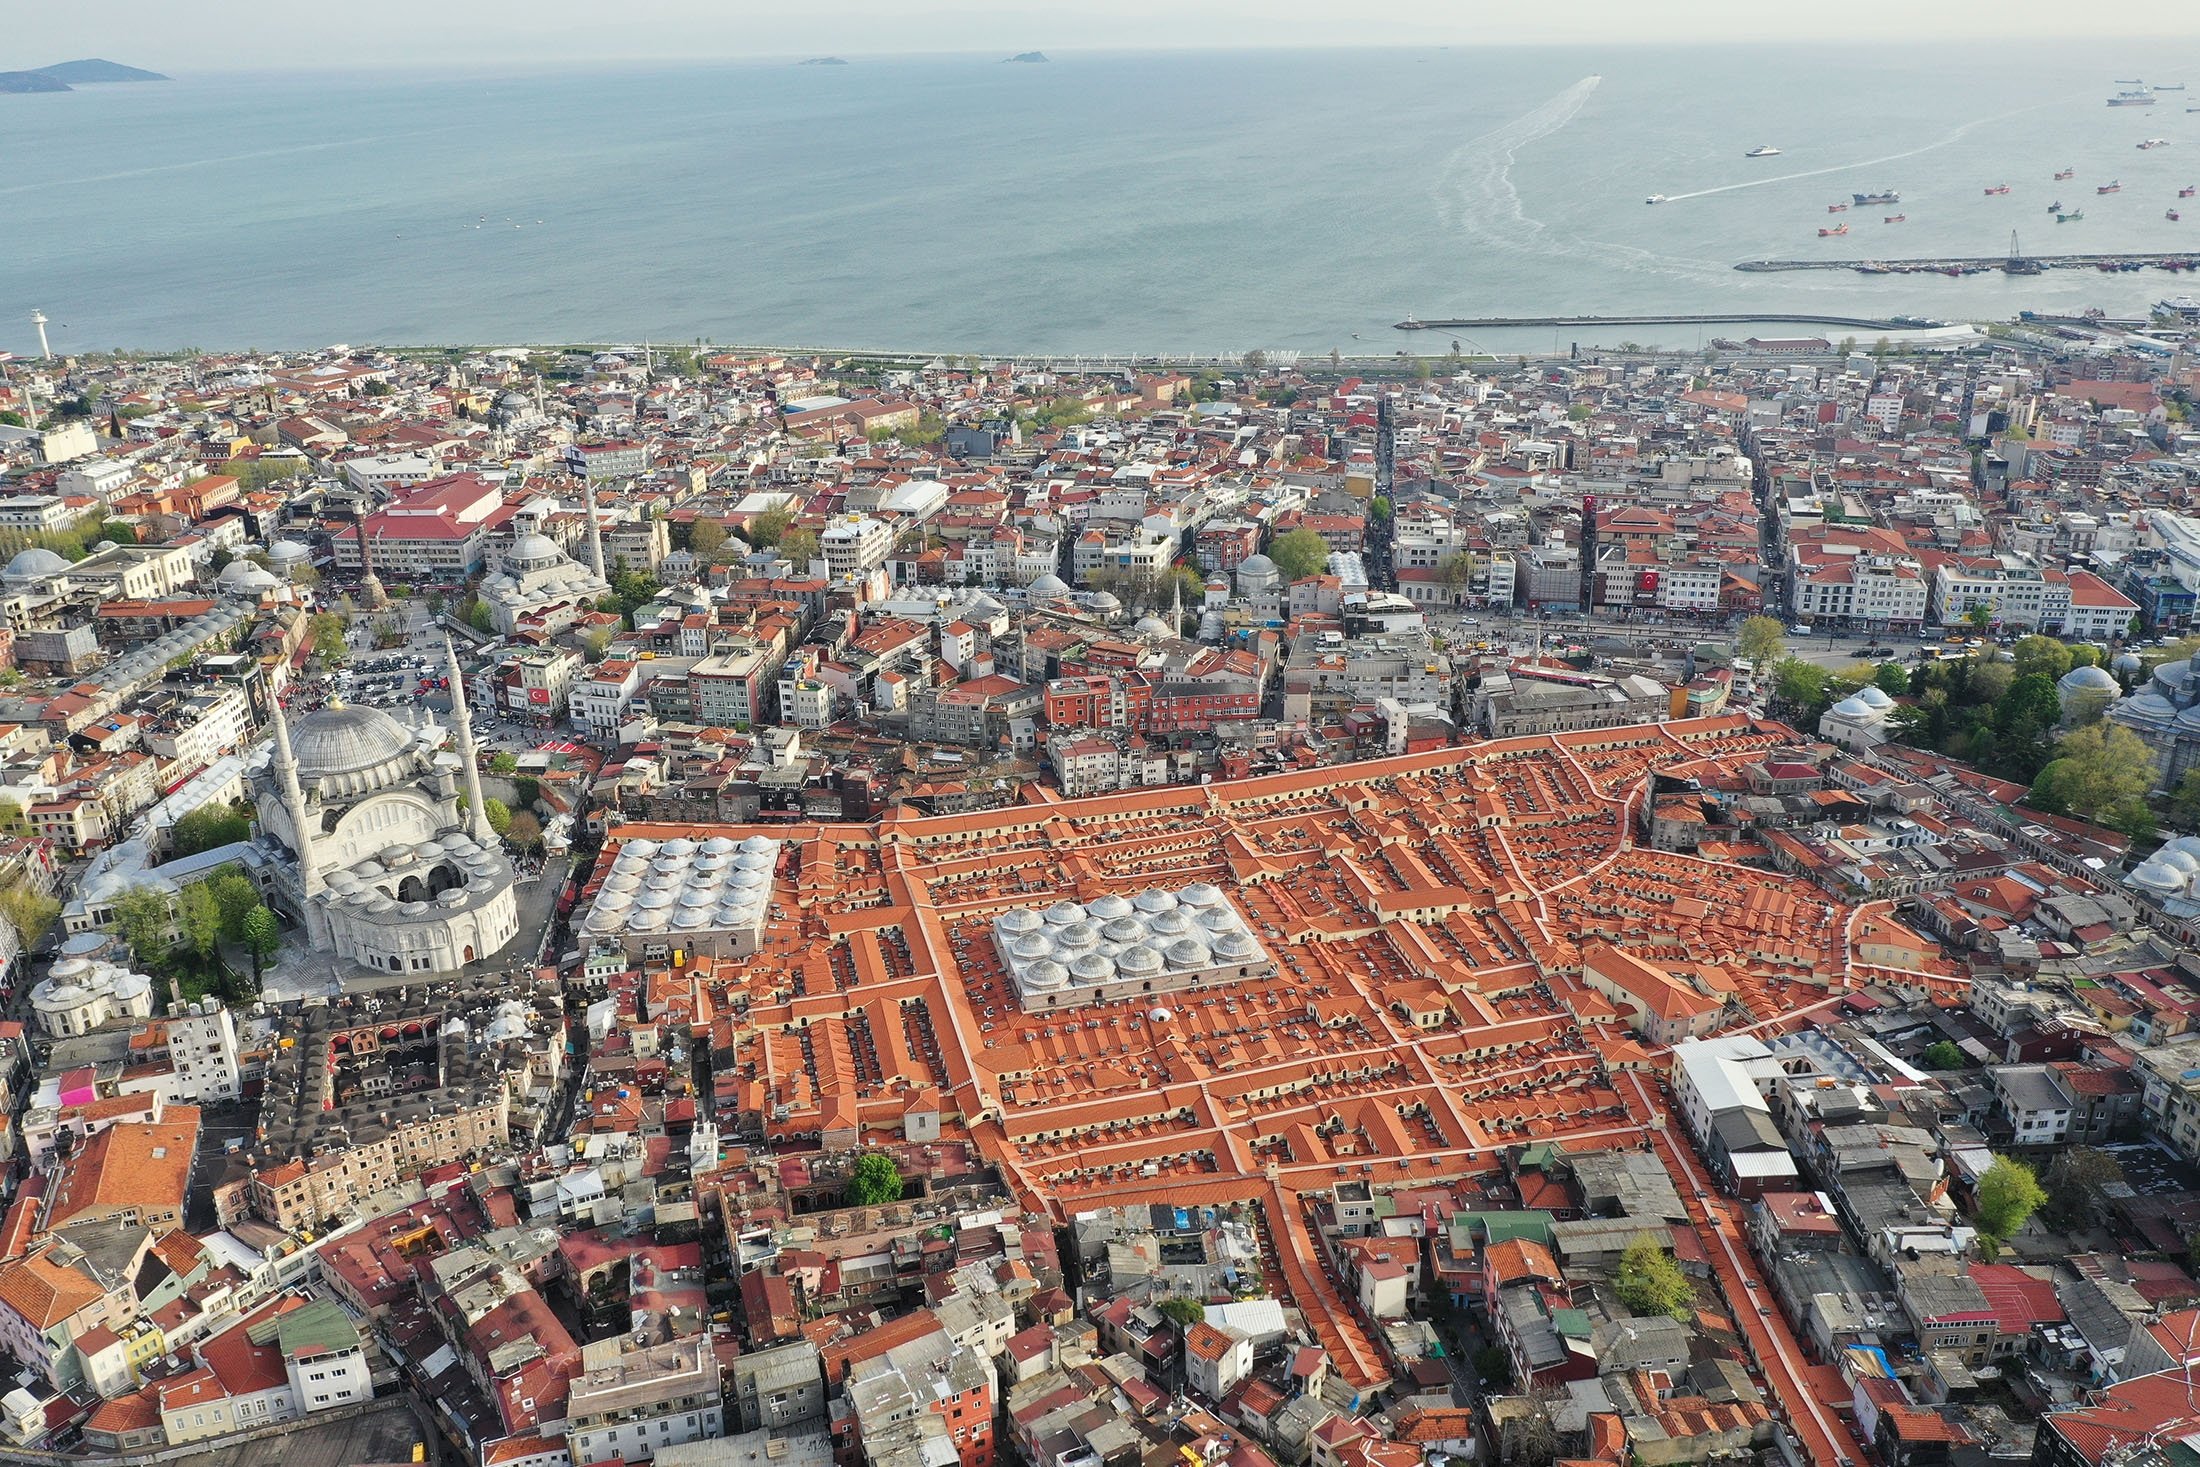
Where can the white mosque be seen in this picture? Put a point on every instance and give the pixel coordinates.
(359, 818)
(538, 587)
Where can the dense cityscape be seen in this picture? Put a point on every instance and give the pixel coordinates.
(690, 904)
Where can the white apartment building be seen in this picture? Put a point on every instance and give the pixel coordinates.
(390, 470)
(855, 546)
(1880, 591)
(35, 514)
(629, 1401)
(101, 478)
(1690, 586)
(601, 701)
(2013, 589)
(202, 729)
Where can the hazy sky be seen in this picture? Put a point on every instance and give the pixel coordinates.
(229, 34)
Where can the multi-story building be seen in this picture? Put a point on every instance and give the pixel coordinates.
(2015, 590)
(602, 700)
(855, 546)
(439, 528)
(629, 1399)
(922, 1404)
(737, 685)
(779, 1388)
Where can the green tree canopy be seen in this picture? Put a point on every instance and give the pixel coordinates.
(235, 894)
(327, 631)
(28, 911)
(1799, 684)
(1943, 1055)
(2007, 1195)
(1650, 1282)
(876, 1180)
(1298, 554)
(199, 920)
(209, 826)
(2100, 773)
(706, 538)
(1893, 679)
(142, 921)
(263, 935)
(799, 547)
(2082, 655)
(1185, 1312)
(1762, 640)
(499, 813)
(766, 529)
(504, 761)
(2042, 655)
(2074, 1183)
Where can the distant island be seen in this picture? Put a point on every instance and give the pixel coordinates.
(67, 76)
(822, 61)
(1029, 57)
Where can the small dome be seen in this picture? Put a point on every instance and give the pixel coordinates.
(1092, 968)
(31, 564)
(1046, 973)
(2159, 876)
(2184, 861)
(1852, 707)
(1048, 584)
(1875, 696)
(1103, 601)
(1016, 920)
(288, 552)
(1139, 961)
(1151, 626)
(245, 577)
(2088, 680)
(1256, 565)
(1109, 906)
(1061, 914)
(2126, 662)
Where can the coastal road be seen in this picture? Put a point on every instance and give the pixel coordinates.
(1827, 1439)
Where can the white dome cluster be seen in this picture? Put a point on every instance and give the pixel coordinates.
(2168, 874)
(684, 889)
(1158, 940)
(80, 994)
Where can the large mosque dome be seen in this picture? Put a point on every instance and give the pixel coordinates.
(347, 738)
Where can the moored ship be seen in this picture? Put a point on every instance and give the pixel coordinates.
(1889, 197)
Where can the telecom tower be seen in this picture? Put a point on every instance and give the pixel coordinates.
(38, 319)
(1588, 554)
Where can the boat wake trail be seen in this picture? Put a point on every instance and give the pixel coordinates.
(1475, 194)
(1954, 137)
(1475, 188)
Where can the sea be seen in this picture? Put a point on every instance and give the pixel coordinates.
(1098, 204)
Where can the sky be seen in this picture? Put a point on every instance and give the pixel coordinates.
(229, 35)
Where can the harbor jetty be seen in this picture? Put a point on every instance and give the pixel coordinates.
(2173, 260)
(1716, 318)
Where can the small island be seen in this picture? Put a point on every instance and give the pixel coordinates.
(67, 76)
(1028, 58)
(822, 61)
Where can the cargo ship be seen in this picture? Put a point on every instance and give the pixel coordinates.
(2185, 192)
(1889, 197)
(1896, 219)
(2065, 173)
(1999, 188)
(2152, 143)
(2138, 98)
(2071, 217)
(1836, 231)
(2110, 188)
(1762, 150)
(1837, 208)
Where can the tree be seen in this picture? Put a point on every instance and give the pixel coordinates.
(1184, 1312)
(504, 762)
(235, 894)
(766, 529)
(326, 629)
(799, 547)
(1457, 571)
(262, 936)
(142, 922)
(874, 1181)
(1798, 684)
(1943, 1055)
(1761, 640)
(1255, 361)
(1298, 554)
(499, 813)
(1650, 1282)
(199, 920)
(12, 821)
(481, 618)
(209, 826)
(29, 912)
(2074, 1182)
(2100, 773)
(2007, 1195)
(2184, 801)
(706, 538)
(2024, 719)
(524, 831)
(2038, 654)
(2082, 655)
(1980, 617)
